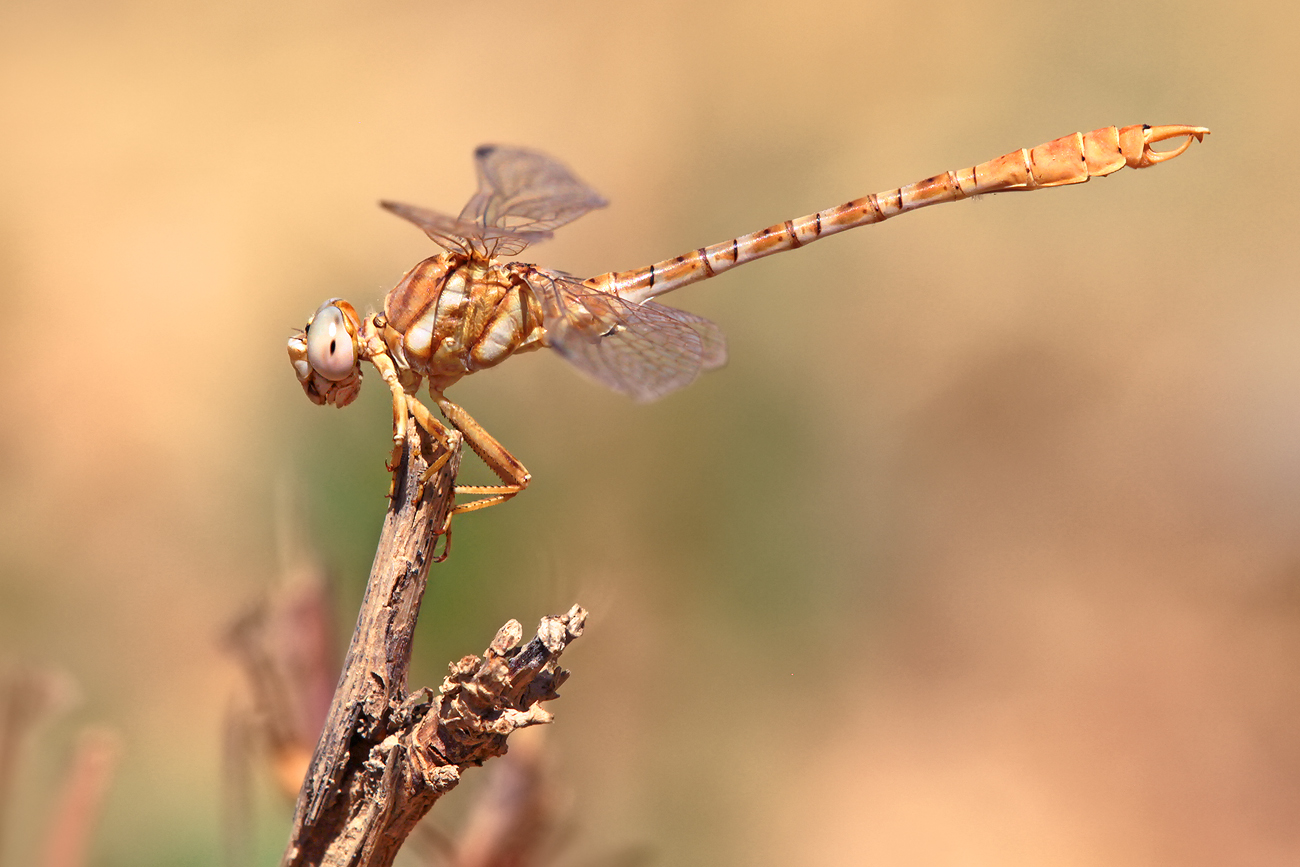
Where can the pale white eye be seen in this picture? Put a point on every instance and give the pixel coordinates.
(329, 345)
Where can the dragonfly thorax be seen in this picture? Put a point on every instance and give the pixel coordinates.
(452, 315)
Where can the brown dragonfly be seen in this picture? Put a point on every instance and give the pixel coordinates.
(463, 310)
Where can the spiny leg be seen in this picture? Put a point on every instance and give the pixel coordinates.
(437, 431)
(388, 372)
(507, 468)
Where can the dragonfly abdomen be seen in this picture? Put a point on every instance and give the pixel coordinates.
(1070, 159)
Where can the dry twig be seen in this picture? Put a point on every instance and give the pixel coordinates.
(27, 696)
(285, 646)
(385, 757)
(81, 800)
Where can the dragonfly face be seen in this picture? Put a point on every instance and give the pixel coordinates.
(326, 356)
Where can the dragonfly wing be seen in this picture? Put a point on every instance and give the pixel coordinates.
(644, 350)
(455, 234)
(526, 194)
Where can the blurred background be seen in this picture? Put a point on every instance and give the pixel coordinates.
(982, 549)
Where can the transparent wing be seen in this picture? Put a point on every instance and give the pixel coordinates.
(522, 196)
(524, 192)
(453, 234)
(644, 350)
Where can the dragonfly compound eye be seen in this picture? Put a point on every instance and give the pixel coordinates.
(330, 347)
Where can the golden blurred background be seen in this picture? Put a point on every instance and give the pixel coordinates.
(982, 550)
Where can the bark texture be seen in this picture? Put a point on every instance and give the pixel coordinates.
(384, 756)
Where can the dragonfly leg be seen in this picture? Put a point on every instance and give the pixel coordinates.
(388, 372)
(437, 431)
(506, 466)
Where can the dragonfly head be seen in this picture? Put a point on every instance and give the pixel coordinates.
(325, 356)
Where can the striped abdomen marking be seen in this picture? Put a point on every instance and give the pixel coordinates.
(1071, 159)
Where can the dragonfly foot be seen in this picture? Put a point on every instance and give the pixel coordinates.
(445, 533)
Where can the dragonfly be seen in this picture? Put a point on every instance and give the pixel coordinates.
(465, 310)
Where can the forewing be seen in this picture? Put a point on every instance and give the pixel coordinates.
(644, 350)
(524, 192)
(455, 234)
